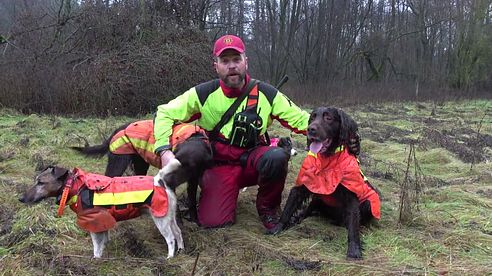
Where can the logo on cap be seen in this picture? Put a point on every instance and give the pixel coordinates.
(228, 40)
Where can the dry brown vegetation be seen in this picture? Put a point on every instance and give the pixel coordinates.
(124, 57)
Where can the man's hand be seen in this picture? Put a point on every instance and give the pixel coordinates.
(354, 144)
(166, 156)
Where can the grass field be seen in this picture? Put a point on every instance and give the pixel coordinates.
(432, 163)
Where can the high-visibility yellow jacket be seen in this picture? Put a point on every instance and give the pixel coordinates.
(321, 175)
(208, 102)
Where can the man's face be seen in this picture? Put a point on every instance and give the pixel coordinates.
(231, 68)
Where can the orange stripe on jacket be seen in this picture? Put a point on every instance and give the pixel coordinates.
(253, 97)
(321, 175)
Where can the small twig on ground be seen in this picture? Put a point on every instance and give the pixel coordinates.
(410, 190)
(194, 265)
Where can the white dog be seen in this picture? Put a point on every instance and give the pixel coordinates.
(93, 198)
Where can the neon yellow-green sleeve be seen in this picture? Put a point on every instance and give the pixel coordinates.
(289, 114)
(181, 109)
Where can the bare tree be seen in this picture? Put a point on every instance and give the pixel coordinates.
(100, 52)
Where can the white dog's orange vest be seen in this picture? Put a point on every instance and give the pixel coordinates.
(100, 201)
(321, 175)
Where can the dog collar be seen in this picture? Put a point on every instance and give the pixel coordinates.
(64, 197)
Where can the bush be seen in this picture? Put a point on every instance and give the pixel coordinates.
(101, 62)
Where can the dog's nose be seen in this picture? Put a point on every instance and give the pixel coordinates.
(312, 129)
(21, 199)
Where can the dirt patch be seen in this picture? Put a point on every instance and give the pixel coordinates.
(467, 148)
(303, 231)
(134, 245)
(472, 137)
(384, 110)
(6, 154)
(67, 265)
(429, 121)
(380, 174)
(15, 238)
(302, 265)
(486, 193)
(431, 181)
(260, 254)
(382, 133)
(378, 168)
(165, 268)
(6, 221)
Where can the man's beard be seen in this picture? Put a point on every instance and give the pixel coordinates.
(234, 84)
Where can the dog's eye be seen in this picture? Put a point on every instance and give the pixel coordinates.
(40, 183)
(328, 117)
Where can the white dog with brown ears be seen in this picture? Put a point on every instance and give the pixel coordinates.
(100, 201)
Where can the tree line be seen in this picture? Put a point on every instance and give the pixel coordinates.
(126, 56)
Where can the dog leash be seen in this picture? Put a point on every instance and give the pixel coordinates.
(64, 197)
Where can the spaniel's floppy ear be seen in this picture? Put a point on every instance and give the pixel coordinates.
(312, 115)
(347, 126)
(311, 118)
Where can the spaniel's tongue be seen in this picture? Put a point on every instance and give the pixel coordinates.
(315, 147)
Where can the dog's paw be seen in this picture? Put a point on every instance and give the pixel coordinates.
(354, 252)
(276, 229)
(194, 217)
(354, 257)
(296, 219)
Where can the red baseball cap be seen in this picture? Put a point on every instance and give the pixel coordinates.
(228, 42)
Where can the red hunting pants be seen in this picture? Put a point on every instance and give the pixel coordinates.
(221, 184)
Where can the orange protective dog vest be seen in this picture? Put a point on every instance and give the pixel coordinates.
(182, 132)
(138, 138)
(100, 201)
(321, 175)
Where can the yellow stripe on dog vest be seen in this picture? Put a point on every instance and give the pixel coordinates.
(72, 200)
(142, 144)
(118, 143)
(121, 198)
(361, 173)
(339, 149)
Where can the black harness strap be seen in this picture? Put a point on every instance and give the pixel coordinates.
(232, 109)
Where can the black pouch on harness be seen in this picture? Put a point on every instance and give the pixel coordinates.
(246, 129)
